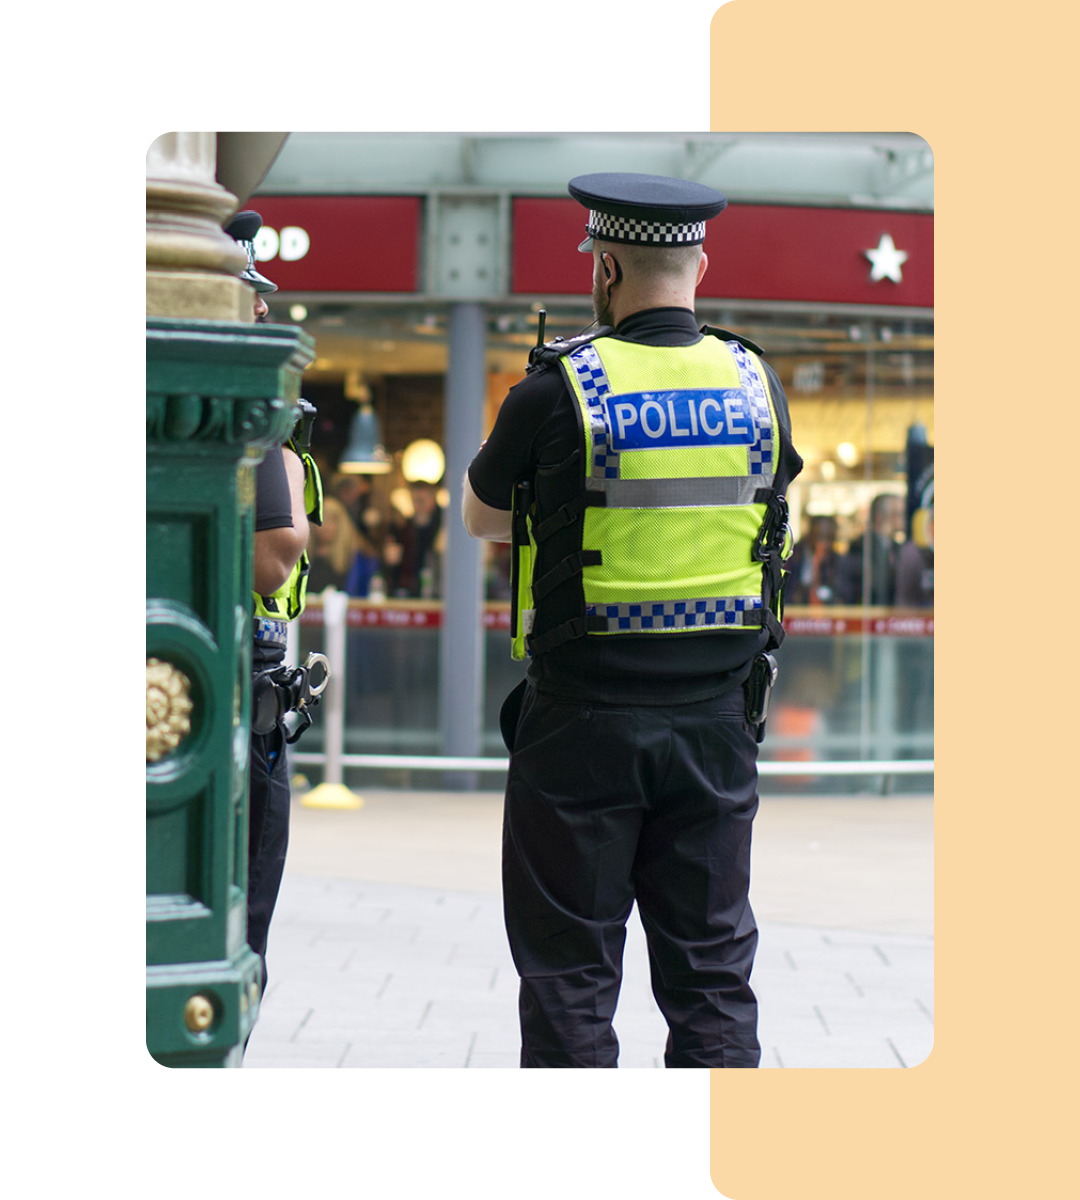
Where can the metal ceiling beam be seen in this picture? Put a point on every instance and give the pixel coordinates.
(874, 169)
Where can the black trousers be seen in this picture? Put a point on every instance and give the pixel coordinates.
(605, 805)
(268, 836)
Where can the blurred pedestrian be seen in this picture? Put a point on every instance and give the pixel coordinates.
(815, 565)
(414, 546)
(868, 572)
(333, 549)
(915, 564)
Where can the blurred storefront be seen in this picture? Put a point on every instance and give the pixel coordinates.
(420, 263)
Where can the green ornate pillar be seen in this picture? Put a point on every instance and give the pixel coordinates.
(219, 391)
(217, 395)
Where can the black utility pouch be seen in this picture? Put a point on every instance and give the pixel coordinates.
(759, 683)
(282, 691)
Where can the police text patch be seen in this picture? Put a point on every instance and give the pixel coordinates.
(689, 417)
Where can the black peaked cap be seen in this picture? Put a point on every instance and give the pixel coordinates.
(656, 198)
(645, 210)
(245, 226)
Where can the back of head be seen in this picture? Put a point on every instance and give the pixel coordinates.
(886, 512)
(653, 227)
(655, 264)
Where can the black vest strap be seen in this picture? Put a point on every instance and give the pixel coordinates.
(555, 637)
(725, 336)
(551, 352)
(776, 631)
(570, 566)
(568, 514)
(566, 632)
(767, 551)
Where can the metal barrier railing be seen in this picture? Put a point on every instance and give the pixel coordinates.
(436, 762)
(333, 759)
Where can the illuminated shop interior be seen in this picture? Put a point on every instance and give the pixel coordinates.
(858, 374)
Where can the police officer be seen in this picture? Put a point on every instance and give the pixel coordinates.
(639, 472)
(288, 500)
(244, 228)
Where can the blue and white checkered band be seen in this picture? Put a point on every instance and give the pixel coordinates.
(677, 614)
(648, 233)
(593, 379)
(761, 452)
(271, 632)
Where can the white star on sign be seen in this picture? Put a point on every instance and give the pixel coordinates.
(887, 260)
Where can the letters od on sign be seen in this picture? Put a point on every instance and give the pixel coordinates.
(292, 243)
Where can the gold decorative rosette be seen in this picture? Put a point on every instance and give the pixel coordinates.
(168, 708)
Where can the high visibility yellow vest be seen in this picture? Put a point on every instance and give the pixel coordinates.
(681, 526)
(287, 603)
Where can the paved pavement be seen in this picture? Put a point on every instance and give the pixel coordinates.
(387, 947)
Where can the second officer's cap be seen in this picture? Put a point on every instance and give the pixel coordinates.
(646, 210)
(244, 228)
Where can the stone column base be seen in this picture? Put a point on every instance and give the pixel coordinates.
(192, 265)
(197, 297)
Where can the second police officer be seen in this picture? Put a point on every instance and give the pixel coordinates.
(640, 473)
(288, 500)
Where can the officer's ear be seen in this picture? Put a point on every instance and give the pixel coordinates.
(703, 266)
(605, 258)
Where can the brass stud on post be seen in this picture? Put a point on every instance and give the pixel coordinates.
(198, 1014)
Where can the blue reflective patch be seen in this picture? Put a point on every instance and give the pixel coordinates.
(691, 417)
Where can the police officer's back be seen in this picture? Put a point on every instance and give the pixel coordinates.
(639, 472)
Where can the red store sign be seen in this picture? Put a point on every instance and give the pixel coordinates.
(756, 251)
(340, 243)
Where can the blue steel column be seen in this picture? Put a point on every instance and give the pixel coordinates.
(461, 655)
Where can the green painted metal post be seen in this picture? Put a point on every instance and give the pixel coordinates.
(217, 395)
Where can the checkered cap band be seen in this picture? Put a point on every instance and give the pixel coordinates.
(647, 233)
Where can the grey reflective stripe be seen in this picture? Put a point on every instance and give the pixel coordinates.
(709, 492)
(679, 614)
(759, 455)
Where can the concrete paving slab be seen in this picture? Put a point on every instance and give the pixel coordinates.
(388, 949)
